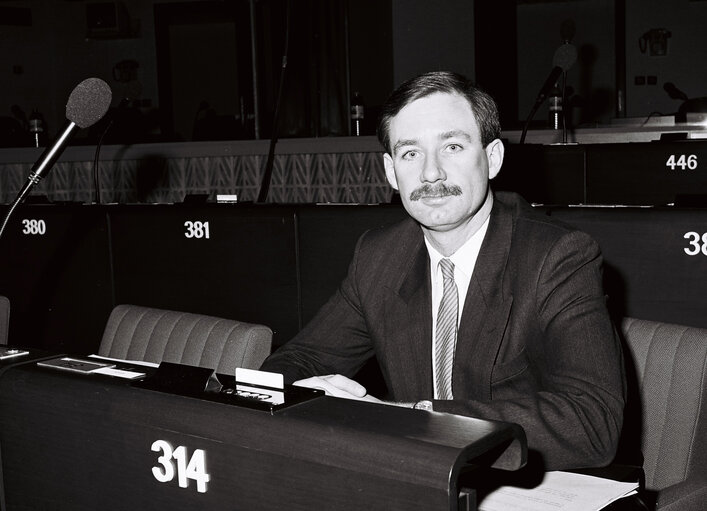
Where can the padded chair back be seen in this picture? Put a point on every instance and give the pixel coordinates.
(4, 319)
(155, 335)
(671, 366)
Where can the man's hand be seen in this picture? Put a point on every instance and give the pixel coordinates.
(338, 386)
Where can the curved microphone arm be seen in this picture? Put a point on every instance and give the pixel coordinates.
(18, 200)
(39, 170)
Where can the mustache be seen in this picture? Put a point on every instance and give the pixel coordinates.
(439, 190)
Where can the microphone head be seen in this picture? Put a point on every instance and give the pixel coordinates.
(88, 102)
(565, 56)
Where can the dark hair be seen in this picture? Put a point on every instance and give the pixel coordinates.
(482, 105)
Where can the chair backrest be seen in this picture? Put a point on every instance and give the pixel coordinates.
(4, 319)
(671, 365)
(156, 335)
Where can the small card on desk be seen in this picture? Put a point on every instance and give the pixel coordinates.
(260, 385)
(260, 378)
(74, 364)
(6, 353)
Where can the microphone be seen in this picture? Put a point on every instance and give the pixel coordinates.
(564, 58)
(87, 104)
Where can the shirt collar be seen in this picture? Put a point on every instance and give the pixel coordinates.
(464, 258)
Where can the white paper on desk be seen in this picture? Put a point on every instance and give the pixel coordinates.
(127, 372)
(126, 361)
(559, 491)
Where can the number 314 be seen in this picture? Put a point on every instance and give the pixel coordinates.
(194, 469)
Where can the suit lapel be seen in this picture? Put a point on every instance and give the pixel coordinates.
(408, 318)
(486, 310)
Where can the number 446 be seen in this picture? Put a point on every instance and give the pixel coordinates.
(682, 161)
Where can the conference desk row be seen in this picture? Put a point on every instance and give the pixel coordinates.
(654, 173)
(173, 440)
(64, 267)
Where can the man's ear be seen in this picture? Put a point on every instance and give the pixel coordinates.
(390, 170)
(494, 153)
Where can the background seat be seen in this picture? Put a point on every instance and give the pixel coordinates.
(154, 335)
(670, 363)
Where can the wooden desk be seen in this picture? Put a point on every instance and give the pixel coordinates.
(80, 442)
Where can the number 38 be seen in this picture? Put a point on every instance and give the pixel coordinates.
(697, 243)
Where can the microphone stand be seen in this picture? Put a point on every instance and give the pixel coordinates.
(564, 104)
(539, 102)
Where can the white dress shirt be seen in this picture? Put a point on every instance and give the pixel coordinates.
(464, 260)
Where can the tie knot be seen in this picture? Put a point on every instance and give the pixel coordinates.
(447, 267)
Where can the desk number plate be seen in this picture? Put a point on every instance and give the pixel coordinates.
(177, 462)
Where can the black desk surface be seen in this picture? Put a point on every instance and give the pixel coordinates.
(86, 441)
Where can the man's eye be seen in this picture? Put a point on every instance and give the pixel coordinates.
(409, 155)
(454, 148)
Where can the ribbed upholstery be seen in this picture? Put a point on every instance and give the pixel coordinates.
(4, 319)
(671, 365)
(155, 335)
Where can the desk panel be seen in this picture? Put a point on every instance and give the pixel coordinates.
(655, 260)
(85, 442)
(55, 269)
(232, 261)
(657, 173)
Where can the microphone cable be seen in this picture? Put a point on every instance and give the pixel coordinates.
(96, 177)
(267, 173)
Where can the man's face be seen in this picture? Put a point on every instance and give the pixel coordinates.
(438, 163)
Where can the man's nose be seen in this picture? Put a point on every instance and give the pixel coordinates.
(432, 169)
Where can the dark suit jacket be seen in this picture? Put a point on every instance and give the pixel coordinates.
(535, 345)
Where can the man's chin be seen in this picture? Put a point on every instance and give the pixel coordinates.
(435, 222)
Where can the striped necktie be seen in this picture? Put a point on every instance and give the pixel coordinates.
(446, 331)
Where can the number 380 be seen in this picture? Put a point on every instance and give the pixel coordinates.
(33, 226)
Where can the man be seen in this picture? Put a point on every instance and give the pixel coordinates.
(531, 340)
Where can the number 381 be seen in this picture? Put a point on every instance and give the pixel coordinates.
(196, 229)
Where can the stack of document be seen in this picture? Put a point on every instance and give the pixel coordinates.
(559, 491)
